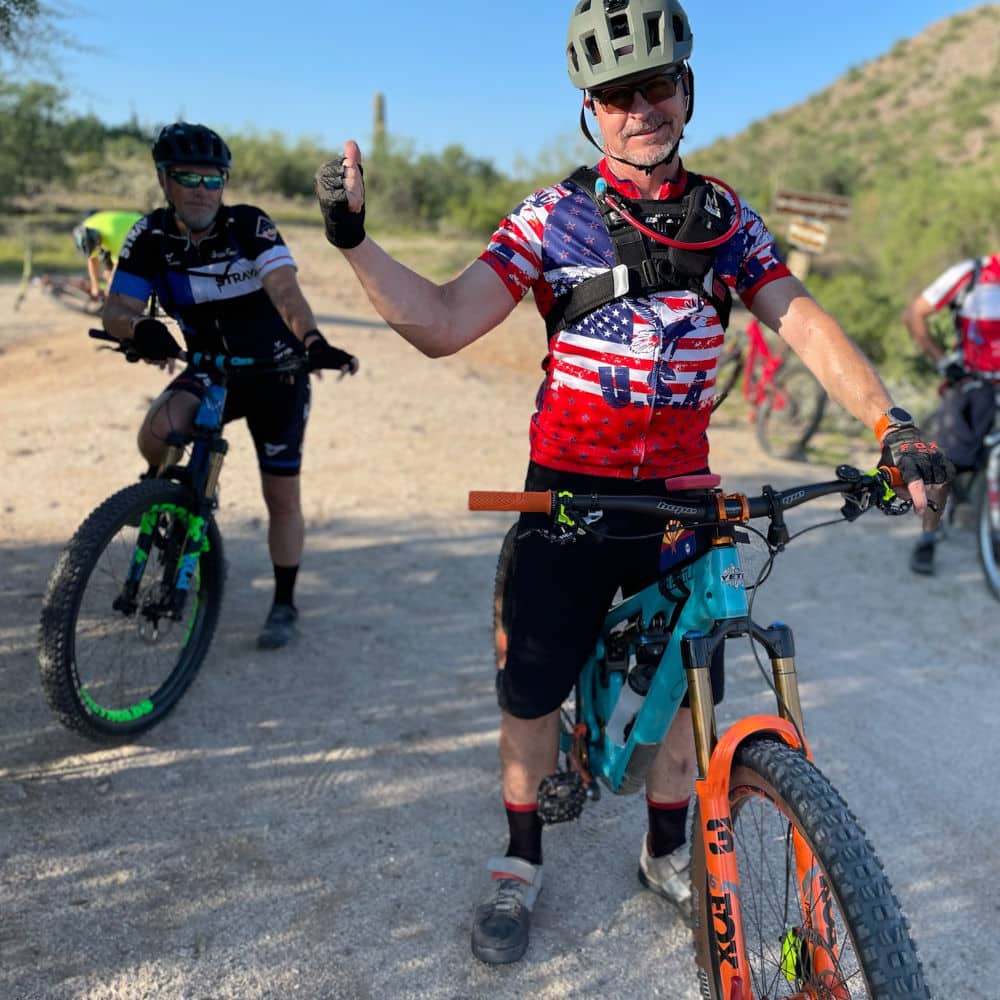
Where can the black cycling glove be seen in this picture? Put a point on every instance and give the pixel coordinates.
(344, 228)
(905, 448)
(152, 341)
(325, 355)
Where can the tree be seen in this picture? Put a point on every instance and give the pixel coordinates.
(29, 30)
(32, 137)
(13, 17)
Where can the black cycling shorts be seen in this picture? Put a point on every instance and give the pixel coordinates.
(557, 596)
(966, 416)
(276, 409)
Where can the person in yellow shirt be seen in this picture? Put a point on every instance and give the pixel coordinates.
(100, 238)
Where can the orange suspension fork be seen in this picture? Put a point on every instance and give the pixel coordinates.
(726, 925)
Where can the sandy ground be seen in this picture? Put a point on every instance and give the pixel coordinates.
(313, 823)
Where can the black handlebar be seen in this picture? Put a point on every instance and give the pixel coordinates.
(860, 490)
(717, 509)
(220, 362)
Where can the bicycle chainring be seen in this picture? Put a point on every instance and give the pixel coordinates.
(561, 797)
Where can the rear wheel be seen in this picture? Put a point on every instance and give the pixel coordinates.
(837, 933)
(71, 293)
(790, 412)
(114, 659)
(730, 369)
(988, 521)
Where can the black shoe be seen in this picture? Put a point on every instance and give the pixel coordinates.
(279, 629)
(922, 559)
(502, 921)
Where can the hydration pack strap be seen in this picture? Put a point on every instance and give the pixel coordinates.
(699, 217)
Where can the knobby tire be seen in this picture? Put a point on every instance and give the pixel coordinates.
(110, 675)
(774, 788)
(988, 527)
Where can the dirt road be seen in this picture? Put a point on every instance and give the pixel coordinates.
(313, 823)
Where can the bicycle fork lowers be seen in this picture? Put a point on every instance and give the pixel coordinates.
(182, 531)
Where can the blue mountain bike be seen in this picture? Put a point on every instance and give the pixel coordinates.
(789, 898)
(133, 601)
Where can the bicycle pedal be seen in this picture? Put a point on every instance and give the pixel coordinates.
(561, 797)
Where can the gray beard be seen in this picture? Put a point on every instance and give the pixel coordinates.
(197, 223)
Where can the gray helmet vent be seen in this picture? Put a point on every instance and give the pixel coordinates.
(620, 39)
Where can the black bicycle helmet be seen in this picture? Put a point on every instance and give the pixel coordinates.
(86, 240)
(194, 144)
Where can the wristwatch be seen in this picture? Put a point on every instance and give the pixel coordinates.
(895, 416)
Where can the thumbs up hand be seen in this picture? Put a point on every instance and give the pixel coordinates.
(340, 189)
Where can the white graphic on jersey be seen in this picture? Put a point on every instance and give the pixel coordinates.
(140, 227)
(266, 229)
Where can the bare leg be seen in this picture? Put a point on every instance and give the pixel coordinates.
(529, 751)
(173, 410)
(286, 527)
(671, 774)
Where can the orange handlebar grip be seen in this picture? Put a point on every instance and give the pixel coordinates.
(895, 477)
(539, 502)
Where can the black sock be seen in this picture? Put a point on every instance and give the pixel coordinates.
(284, 584)
(667, 826)
(525, 833)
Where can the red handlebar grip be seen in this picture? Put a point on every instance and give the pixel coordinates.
(895, 477)
(539, 502)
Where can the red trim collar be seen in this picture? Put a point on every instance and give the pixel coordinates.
(670, 189)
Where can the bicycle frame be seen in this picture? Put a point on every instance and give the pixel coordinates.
(756, 384)
(704, 603)
(202, 474)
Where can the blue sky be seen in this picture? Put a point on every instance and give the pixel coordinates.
(490, 76)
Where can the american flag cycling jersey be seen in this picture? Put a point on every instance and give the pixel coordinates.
(628, 389)
(979, 315)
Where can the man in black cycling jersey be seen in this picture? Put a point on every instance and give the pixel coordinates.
(635, 330)
(227, 277)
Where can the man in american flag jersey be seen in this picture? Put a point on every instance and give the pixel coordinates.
(623, 406)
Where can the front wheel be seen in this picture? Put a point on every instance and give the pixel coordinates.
(127, 618)
(988, 522)
(791, 412)
(838, 931)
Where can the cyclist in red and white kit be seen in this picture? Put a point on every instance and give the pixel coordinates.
(635, 329)
(971, 289)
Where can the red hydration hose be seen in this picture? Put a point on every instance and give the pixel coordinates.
(601, 191)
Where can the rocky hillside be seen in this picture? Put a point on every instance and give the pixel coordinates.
(934, 98)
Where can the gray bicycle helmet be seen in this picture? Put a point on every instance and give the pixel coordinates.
(613, 40)
(86, 240)
(194, 144)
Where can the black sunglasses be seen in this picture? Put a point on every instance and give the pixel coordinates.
(189, 179)
(657, 89)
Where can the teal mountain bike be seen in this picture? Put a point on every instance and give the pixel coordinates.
(789, 897)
